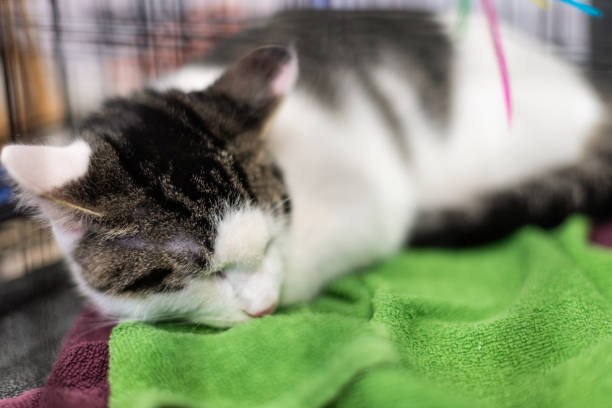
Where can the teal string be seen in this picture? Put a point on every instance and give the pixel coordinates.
(464, 10)
(584, 7)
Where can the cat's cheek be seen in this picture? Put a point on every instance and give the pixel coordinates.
(67, 238)
(216, 303)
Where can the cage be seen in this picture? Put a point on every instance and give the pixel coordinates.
(61, 58)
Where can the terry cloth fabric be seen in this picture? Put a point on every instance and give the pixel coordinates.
(79, 376)
(601, 233)
(37, 311)
(526, 322)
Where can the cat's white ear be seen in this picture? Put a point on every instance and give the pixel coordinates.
(40, 169)
(262, 77)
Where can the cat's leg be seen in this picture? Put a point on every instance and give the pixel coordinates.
(545, 200)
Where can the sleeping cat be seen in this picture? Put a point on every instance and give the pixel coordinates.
(306, 147)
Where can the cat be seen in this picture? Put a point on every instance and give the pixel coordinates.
(305, 147)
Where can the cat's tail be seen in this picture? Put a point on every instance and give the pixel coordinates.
(545, 200)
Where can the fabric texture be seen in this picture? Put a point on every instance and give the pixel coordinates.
(524, 322)
(601, 233)
(36, 312)
(79, 376)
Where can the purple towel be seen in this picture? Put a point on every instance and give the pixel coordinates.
(79, 378)
(601, 233)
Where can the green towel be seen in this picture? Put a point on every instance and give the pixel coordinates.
(523, 323)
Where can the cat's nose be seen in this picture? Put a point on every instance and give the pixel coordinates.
(264, 312)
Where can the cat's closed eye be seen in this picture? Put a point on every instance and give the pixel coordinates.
(152, 280)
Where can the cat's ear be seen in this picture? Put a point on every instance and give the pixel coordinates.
(41, 173)
(39, 169)
(260, 78)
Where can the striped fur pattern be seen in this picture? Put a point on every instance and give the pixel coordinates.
(164, 168)
(171, 165)
(308, 146)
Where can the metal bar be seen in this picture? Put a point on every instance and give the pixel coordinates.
(6, 76)
(60, 62)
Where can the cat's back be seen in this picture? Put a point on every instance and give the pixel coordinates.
(332, 43)
(554, 115)
(403, 84)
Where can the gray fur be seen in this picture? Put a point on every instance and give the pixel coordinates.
(330, 43)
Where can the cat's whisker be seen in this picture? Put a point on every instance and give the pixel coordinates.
(280, 204)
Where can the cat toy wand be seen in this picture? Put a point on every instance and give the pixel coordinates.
(491, 15)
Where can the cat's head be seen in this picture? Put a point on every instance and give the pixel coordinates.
(169, 205)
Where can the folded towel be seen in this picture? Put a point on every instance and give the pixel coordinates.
(79, 377)
(526, 322)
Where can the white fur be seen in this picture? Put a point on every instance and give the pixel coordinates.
(242, 237)
(352, 198)
(188, 79)
(354, 193)
(40, 169)
(66, 238)
(555, 112)
(249, 258)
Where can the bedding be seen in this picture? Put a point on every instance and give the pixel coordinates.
(523, 322)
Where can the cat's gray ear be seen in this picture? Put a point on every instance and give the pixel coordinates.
(261, 78)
